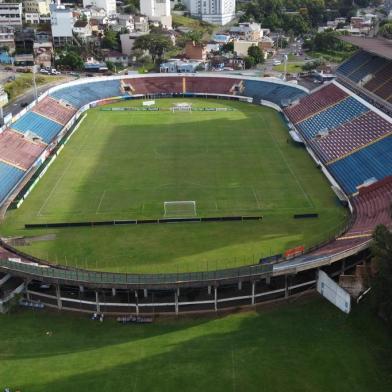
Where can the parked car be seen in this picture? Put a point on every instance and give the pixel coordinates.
(44, 71)
(24, 104)
(276, 62)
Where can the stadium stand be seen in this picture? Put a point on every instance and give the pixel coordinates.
(81, 94)
(272, 92)
(318, 101)
(211, 85)
(385, 91)
(373, 65)
(361, 65)
(18, 150)
(372, 207)
(372, 161)
(351, 136)
(9, 177)
(161, 86)
(332, 117)
(380, 78)
(55, 110)
(39, 125)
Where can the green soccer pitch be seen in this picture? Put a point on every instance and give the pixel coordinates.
(126, 164)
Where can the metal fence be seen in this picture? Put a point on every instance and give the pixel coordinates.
(92, 277)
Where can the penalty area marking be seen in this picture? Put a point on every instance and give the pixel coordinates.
(100, 201)
(64, 172)
(290, 169)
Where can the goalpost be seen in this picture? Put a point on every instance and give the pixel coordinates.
(183, 208)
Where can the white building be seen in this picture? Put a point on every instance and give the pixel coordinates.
(10, 14)
(7, 38)
(218, 12)
(40, 7)
(108, 5)
(247, 31)
(32, 17)
(82, 29)
(62, 22)
(157, 11)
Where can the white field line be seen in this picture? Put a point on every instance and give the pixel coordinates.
(291, 170)
(257, 199)
(100, 201)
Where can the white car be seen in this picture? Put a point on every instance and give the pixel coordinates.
(276, 62)
(44, 71)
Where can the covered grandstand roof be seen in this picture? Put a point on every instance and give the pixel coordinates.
(378, 46)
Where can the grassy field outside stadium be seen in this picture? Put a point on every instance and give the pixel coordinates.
(121, 165)
(309, 346)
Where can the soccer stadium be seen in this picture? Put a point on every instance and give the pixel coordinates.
(175, 194)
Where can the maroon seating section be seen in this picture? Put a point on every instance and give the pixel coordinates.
(385, 91)
(379, 81)
(16, 149)
(55, 110)
(373, 207)
(314, 103)
(155, 85)
(351, 136)
(211, 85)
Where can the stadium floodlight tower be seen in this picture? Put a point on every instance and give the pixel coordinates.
(184, 208)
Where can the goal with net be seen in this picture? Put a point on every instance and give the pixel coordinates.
(184, 208)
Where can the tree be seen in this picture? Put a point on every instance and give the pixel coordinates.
(386, 30)
(296, 23)
(311, 65)
(256, 53)
(110, 40)
(156, 45)
(228, 48)
(179, 7)
(382, 282)
(71, 60)
(195, 36)
(249, 62)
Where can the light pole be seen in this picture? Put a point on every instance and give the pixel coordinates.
(285, 58)
(34, 82)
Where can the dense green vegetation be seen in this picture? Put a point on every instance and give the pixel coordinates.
(299, 347)
(125, 165)
(24, 82)
(299, 16)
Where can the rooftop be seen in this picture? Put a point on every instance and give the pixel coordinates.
(378, 46)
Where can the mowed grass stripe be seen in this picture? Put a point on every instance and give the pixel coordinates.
(297, 347)
(121, 165)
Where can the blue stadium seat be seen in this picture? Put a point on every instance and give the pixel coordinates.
(40, 125)
(370, 67)
(9, 177)
(357, 60)
(331, 118)
(361, 65)
(82, 94)
(269, 91)
(372, 161)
